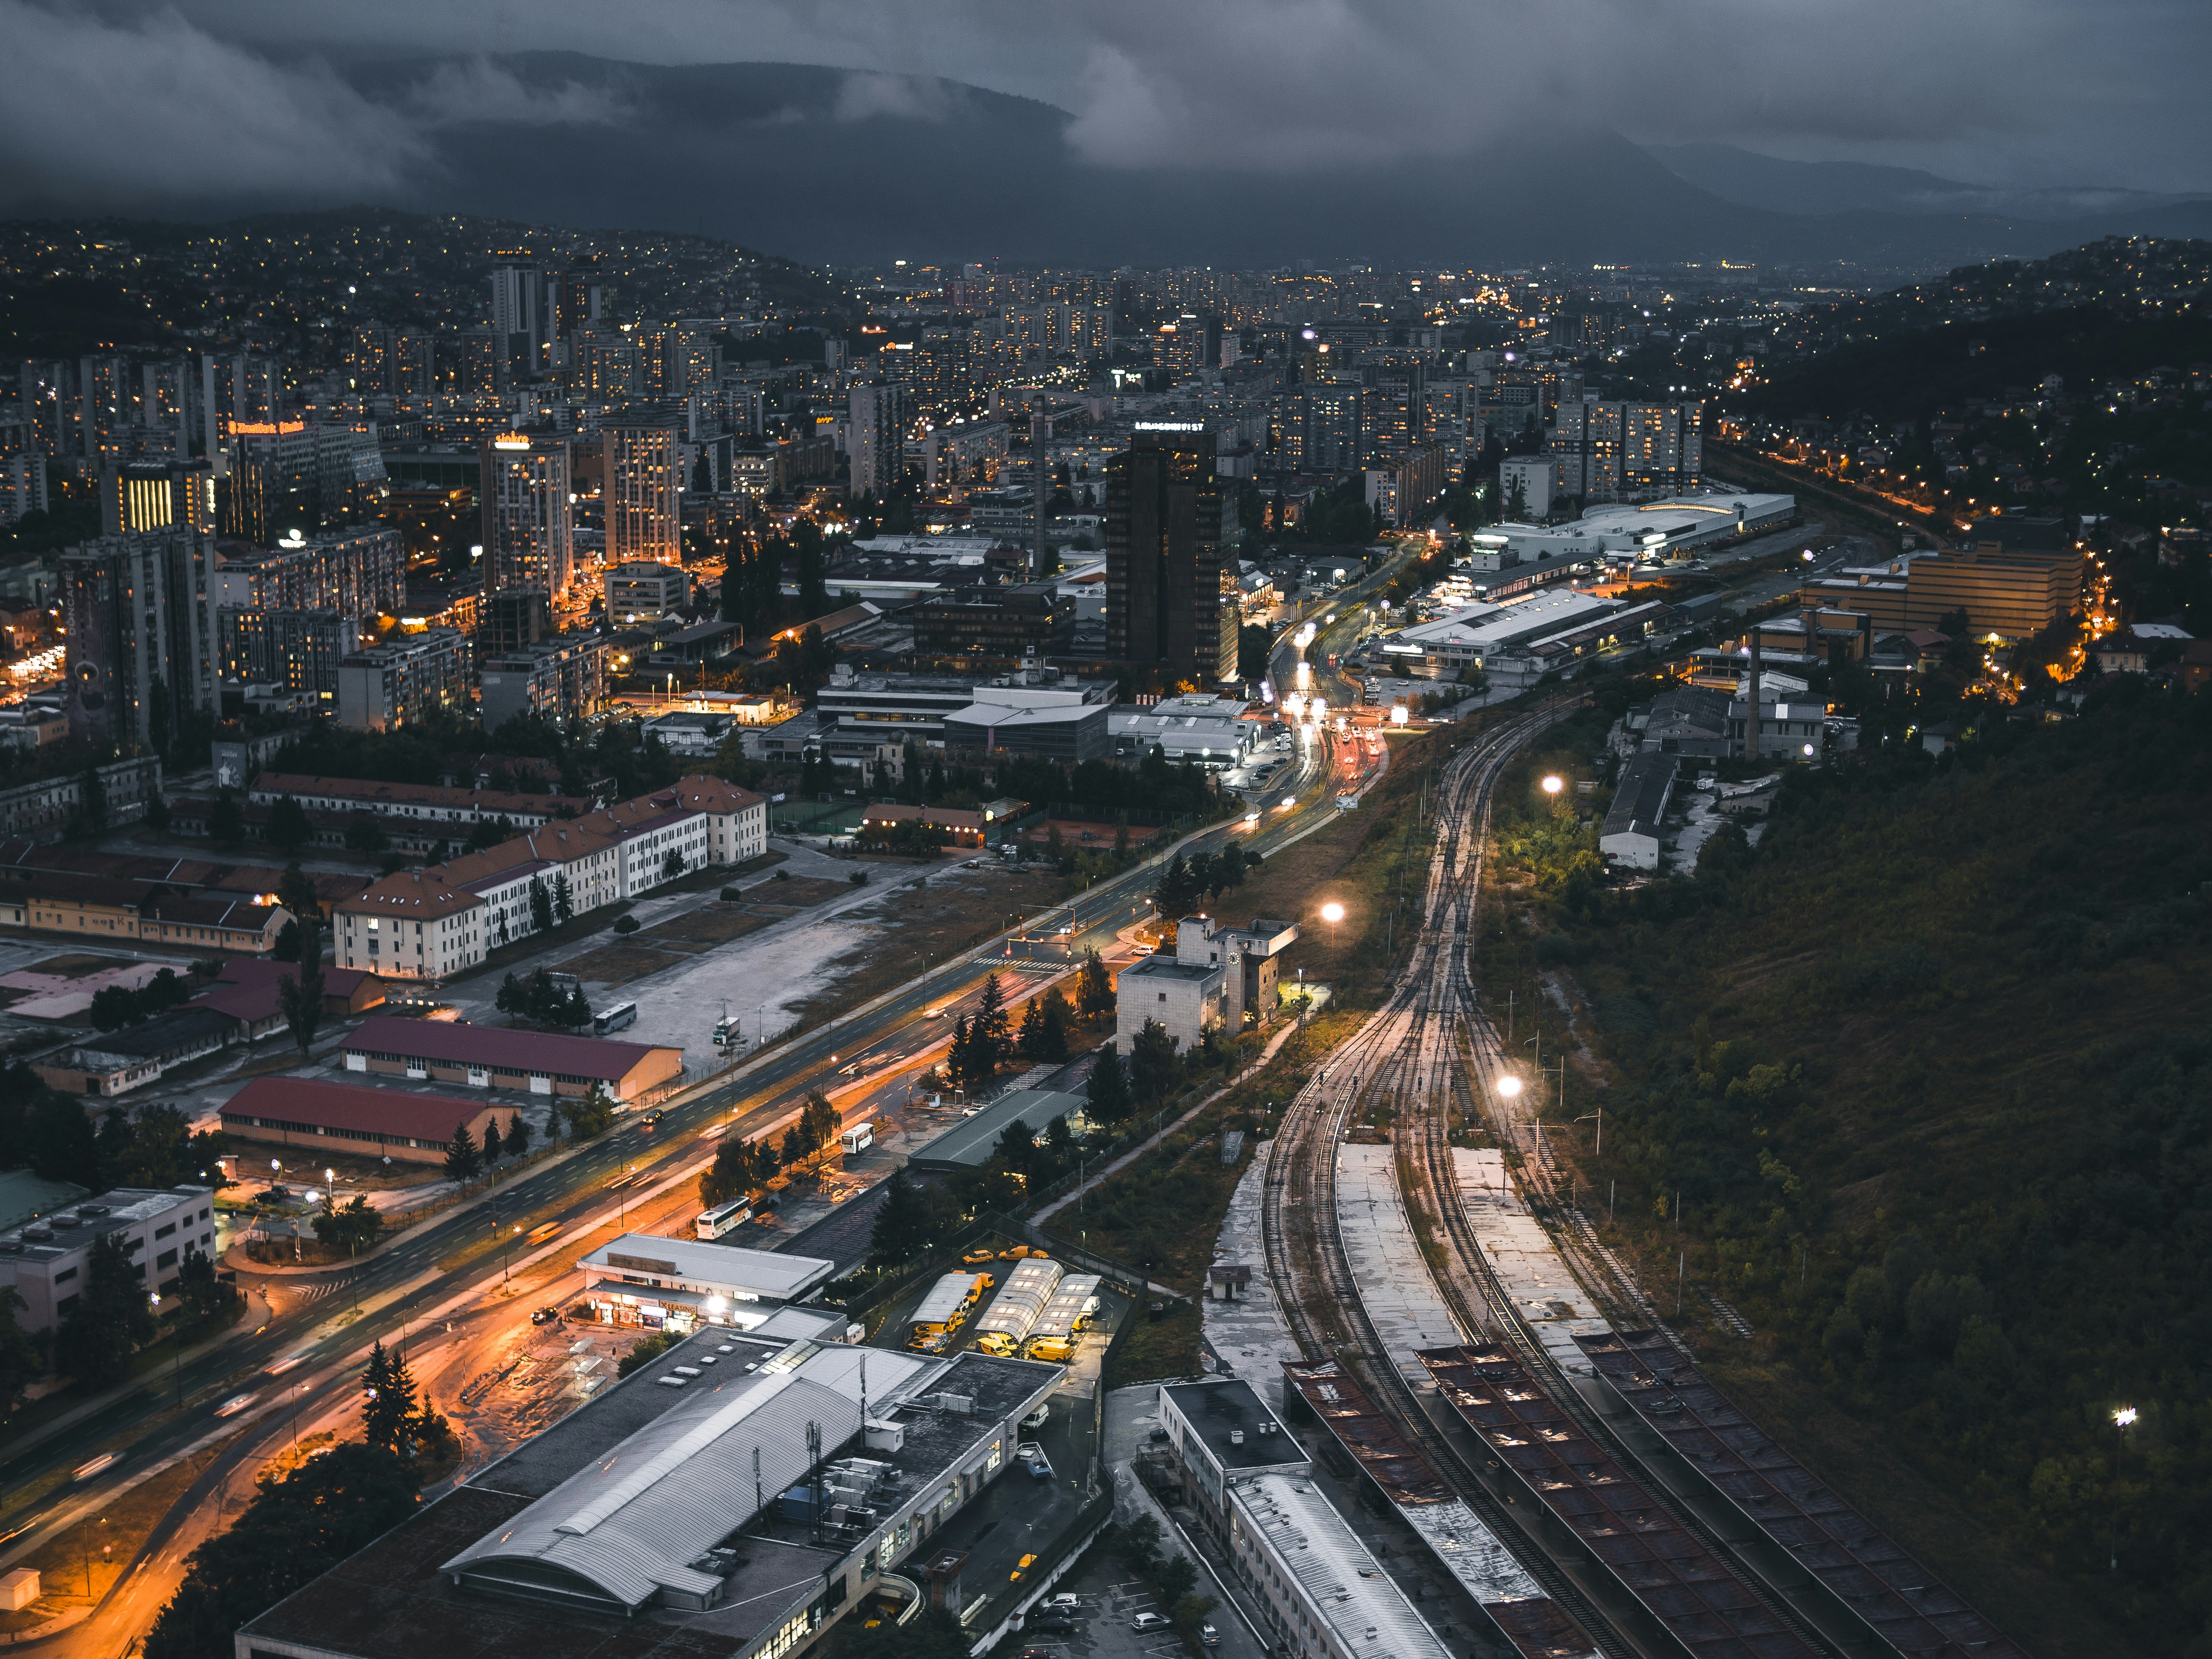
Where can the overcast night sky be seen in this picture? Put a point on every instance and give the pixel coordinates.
(121, 107)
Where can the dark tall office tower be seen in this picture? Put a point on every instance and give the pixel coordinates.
(1169, 592)
(522, 307)
(139, 615)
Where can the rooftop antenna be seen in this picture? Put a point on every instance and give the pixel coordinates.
(1751, 714)
(1038, 447)
(758, 1503)
(814, 1476)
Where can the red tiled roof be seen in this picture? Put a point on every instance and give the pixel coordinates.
(353, 1106)
(255, 971)
(457, 1042)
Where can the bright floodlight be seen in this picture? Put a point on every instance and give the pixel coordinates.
(1553, 784)
(1508, 1086)
(2125, 1415)
(1397, 714)
(1332, 912)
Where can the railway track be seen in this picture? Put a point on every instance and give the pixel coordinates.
(1406, 1045)
(1408, 1055)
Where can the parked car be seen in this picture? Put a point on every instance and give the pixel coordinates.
(1037, 1419)
(1208, 1637)
(1066, 1601)
(1145, 1621)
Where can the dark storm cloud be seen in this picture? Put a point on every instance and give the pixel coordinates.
(237, 97)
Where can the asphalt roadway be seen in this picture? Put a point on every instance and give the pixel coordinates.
(319, 1342)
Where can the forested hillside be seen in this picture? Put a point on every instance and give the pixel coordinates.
(1928, 1070)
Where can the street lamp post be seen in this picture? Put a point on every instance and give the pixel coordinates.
(2121, 1420)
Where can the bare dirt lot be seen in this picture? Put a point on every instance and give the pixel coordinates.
(931, 923)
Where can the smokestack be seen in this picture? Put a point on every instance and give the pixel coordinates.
(1037, 446)
(1751, 714)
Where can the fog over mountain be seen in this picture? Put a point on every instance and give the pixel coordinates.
(841, 166)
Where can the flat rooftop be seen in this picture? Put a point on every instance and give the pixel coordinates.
(1215, 1410)
(1313, 1544)
(73, 1226)
(1168, 967)
(701, 1264)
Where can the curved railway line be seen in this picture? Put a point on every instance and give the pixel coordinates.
(1405, 1046)
(1408, 1054)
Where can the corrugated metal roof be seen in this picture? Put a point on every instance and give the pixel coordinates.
(623, 1525)
(1314, 1546)
(944, 1299)
(1029, 1288)
(1069, 1303)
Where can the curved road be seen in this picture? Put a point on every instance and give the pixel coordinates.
(442, 1268)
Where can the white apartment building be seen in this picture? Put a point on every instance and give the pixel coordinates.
(433, 923)
(45, 1259)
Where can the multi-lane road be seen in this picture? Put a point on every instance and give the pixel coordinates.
(305, 1355)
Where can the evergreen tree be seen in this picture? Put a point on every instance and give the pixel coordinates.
(518, 1135)
(225, 823)
(577, 1010)
(112, 1319)
(1031, 1040)
(1016, 1147)
(1095, 992)
(288, 829)
(20, 1363)
(1151, 1063)
(956, 1060)
(903, 1226)
(462, 1160)
(300, 994)
(989, 1030)
(513, 998)
(203, 1294)
(541, 905)
(295, 892)
(388, 1412)
(564, 899)
(1052, 1037)
(295, 1529)
(1106, 1097)
(493, 1145)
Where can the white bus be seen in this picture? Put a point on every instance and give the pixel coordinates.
(858, 1138)
(614, 1019)
(725, 1218)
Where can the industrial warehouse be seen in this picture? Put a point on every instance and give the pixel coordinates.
(736, 1498)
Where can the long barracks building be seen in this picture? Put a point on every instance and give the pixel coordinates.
(433, 923)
